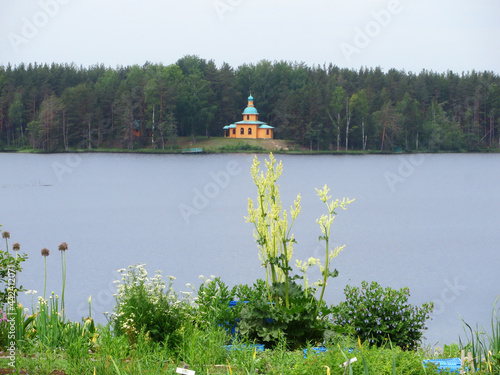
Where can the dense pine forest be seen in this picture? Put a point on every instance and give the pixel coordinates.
(65, 107)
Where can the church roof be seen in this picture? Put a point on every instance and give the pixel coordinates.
(250, 111)
(262, 125)
(245, 122)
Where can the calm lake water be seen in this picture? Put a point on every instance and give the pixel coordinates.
(429, 222)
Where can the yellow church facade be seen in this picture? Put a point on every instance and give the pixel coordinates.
(250, 126)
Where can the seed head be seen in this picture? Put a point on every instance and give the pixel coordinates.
(45, 252)
(6, 235)
(16, 246)
(63, 246)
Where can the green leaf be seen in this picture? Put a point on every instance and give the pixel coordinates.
(333, 273)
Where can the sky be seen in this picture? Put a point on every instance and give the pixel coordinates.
(408, 35)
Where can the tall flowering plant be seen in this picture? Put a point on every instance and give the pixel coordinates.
(325, 223)
(287, 308)
(272, 226)
(145, 305)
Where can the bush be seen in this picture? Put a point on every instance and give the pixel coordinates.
(145, 305)
(298, 324)
(241, 146)
(284, 309)
(10, 266)
(213, 300)
(377, 315)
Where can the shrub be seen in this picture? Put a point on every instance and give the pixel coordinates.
(145, 305)
(284, 308)
(377, 315)
(10, 266)
(213, 300)
(241, 146)
(270, 323)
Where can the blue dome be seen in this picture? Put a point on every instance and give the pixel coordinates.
(250, 111)
(250, 98)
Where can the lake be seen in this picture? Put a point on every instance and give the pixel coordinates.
(426, 221)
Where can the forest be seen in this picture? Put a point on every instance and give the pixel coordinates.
(61, 107)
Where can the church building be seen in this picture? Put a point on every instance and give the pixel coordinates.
(250, 126)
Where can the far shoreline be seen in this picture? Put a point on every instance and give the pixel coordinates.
(220, 145)
(259, 152)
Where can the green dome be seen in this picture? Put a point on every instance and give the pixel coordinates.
(250, 111)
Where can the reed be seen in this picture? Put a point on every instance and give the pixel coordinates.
(484, 347)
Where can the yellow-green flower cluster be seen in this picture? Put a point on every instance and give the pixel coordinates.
(272, 228)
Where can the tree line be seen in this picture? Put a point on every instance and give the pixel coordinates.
(63, 106)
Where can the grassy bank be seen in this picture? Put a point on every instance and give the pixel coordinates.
(204, 353)
(208, 144)
(224, 145)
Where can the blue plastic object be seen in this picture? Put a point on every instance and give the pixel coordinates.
(448, 364)
(317, 350)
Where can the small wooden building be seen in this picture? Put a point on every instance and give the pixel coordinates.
(250, 126)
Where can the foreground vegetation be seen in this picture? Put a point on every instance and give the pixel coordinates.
(153, 331)
(279, 325)
(204, 353)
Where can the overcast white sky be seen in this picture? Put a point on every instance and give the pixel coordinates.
(409, 35)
